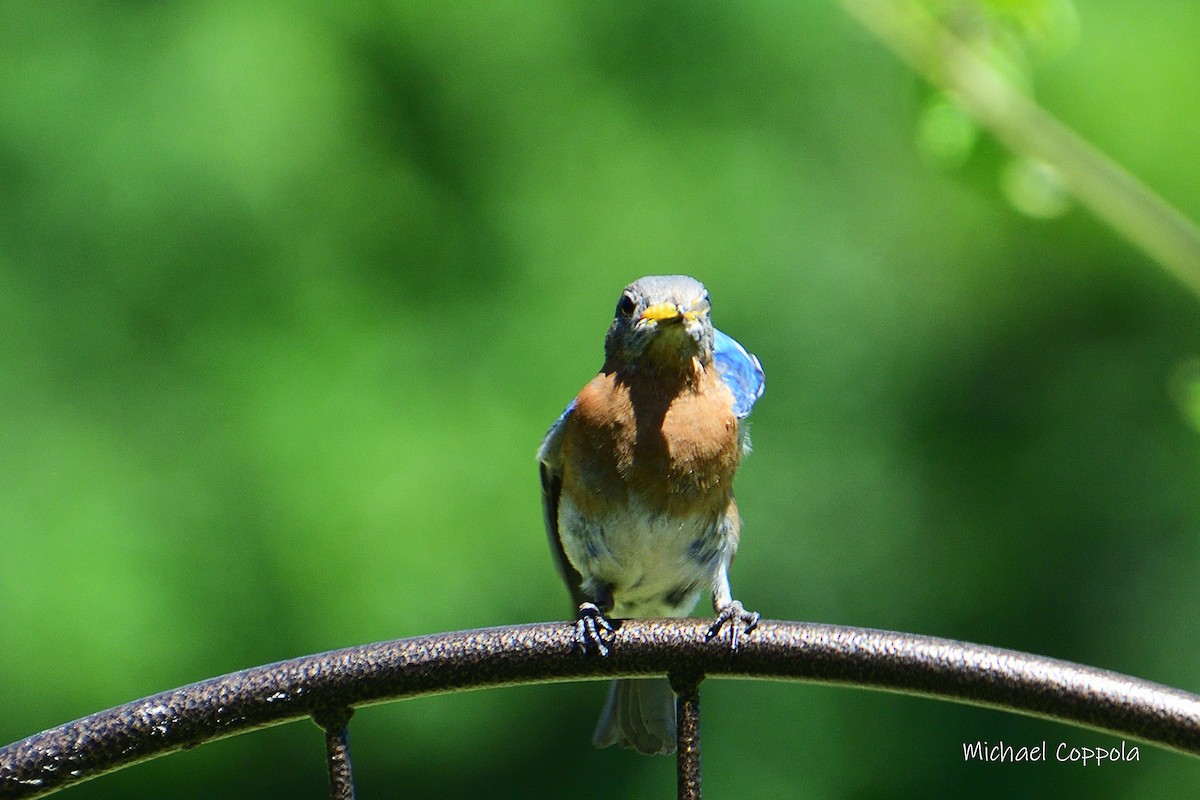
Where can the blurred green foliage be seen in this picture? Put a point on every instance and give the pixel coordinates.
(290, 291)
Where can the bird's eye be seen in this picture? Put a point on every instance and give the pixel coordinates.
(626, 306)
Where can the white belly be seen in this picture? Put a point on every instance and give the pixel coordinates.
(655, 565)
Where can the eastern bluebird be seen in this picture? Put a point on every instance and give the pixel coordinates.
(637, 485)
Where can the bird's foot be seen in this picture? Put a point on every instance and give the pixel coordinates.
(739, 620)
(593, 631)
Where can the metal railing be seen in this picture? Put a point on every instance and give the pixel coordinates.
(328, 686)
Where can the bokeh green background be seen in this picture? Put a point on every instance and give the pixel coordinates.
(290, 291)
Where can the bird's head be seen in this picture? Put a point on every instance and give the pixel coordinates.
(662, 322)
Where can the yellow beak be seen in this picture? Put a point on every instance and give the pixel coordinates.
(662, 312)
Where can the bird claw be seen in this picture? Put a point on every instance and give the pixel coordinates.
(739, 620)
(593, 630)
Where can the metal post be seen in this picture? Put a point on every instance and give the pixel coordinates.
(687, 752)
(337, 751)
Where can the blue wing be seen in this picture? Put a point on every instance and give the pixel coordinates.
(741, 372)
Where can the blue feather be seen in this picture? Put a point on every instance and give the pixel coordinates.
(741, 372)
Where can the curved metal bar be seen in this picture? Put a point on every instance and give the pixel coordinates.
(545, 652)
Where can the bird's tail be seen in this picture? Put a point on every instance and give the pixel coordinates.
(639, 713)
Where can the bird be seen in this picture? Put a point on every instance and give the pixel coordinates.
(637, 487)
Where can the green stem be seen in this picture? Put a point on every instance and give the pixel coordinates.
(1111, 192)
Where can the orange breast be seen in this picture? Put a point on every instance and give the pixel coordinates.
(677, 447)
